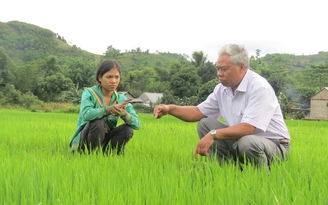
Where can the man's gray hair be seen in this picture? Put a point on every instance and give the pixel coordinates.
(238, 54)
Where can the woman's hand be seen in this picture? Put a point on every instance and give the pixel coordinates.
(119, 109)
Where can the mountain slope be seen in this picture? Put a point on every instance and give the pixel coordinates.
(25, 43)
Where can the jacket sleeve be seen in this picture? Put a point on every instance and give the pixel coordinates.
(134, 120)
(89, 109)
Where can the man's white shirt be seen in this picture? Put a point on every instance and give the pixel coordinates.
(253, 102)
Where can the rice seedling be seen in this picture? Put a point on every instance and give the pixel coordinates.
(157, 168)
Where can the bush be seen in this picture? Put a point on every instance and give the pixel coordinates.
(2, 99)
(11, 96)
(299, 115)
(29, 100)
(70, 109)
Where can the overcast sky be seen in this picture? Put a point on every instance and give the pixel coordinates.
(180, 26)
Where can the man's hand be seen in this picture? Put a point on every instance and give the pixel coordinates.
(203, 145)
(161, 110)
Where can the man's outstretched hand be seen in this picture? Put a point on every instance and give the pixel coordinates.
(161, 110)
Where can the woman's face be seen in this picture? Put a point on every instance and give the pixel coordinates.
(110, 80)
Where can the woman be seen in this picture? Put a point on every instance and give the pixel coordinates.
(101, 106)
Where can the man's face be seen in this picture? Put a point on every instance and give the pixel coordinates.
(229, 74)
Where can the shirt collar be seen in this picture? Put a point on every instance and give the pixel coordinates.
(242, 87)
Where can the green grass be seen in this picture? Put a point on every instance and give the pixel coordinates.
(157, 168)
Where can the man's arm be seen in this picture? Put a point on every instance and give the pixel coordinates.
(235, 131)
(185, 113)
(232, 132)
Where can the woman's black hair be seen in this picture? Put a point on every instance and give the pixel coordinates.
(106, 66)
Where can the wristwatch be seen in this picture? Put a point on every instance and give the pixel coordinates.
(213, 133)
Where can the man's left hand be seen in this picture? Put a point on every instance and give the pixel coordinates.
(203, 145)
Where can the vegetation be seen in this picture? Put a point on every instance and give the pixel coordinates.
(158, 166)
(39, 66)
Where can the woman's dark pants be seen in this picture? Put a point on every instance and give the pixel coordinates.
(95, 138)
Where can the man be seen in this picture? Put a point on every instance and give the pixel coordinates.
(255, 130)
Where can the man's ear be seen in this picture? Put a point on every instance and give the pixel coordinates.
(242, 66)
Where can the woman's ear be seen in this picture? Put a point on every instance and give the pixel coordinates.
(99, 79)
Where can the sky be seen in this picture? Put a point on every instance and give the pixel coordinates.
(296, 27)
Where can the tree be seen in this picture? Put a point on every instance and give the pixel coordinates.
(205, 69)
(157, 87)
(11, 96)
(319, 75)
(185, 83)
(198, 59)
(139, 79)
(177, 66)
(256, 63)
(162, 73)
(50, 88)
(112, 53)
(276, 73)
(51, 82)
(72, 95)
(193, 100)
(305, 95)
(51, 66)
(258, 51)
(168, 98)
(81, 72)
(6, 68)
(285, 104)
(207, 89)
(29, 99)
(26, 76)
(207, 72)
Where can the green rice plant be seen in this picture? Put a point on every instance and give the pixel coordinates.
(157, 167)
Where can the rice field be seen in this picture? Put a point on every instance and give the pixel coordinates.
(158, 167)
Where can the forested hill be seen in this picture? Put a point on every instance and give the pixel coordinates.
(25, 43)
(38, 64)
(300, 61)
